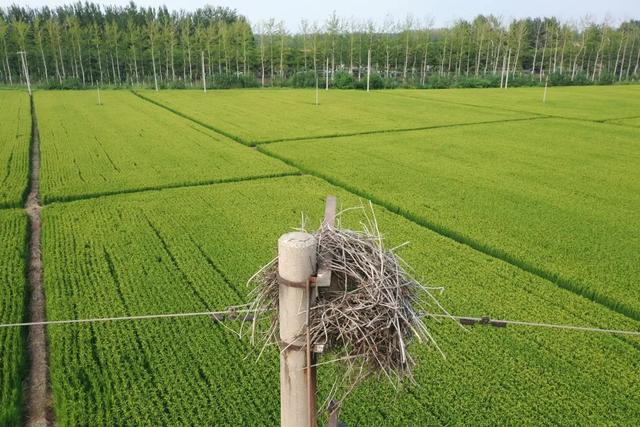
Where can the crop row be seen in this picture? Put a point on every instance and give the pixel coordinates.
(287, 114)
(12, 303)
(15, 134)
(193, 249)
(586, 103)
(555, 197)
(127, 144)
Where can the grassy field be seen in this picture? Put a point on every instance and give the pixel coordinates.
(287, 114)
(152, 204)
(15, 133)
(12, 303)
(128, 144)
(597, 103)
(192, 249)
(635, 122)
(548, 195)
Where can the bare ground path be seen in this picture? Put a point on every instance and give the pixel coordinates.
(38, 397)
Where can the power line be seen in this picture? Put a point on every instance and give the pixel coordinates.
(242, 314)
(501, 323)
(218, 315)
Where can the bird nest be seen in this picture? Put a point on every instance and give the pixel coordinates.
(371, 312)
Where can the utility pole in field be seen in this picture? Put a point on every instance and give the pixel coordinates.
(204, 76)
(368, 68)
(326, 75)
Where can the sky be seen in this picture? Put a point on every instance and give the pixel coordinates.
(440, 12)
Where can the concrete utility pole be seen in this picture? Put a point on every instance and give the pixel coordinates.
(204, 77)
(368, 68)
(25, 70)
(326, 75)
(506, 79)
(296, 264)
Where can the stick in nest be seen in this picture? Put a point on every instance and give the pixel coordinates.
(370, 313)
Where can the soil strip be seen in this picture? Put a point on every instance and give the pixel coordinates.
(37, 397)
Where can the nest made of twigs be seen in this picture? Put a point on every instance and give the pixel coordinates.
(373, 309)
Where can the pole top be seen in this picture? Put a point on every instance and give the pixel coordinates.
(297, 240)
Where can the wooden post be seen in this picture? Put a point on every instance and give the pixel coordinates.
(204, 76)
(99, 100)
(296, 264)
(317, 91)
(544, 96)
(368, 68)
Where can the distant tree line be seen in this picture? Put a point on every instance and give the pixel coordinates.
(81, 45)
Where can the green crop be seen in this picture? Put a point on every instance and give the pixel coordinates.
(558, 198)
(128, 144)
(634, 122)
(254, 116)
(12, 303)
(587, 103)
(193, 249)
(15, 134)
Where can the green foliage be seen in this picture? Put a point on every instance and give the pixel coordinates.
(15, 137)
(290, 114)
(233, 81)
(128, 144)
(511, 190)
(343, 80)
(193, 249)
(13, 226)
(587, 103)
(304, 79)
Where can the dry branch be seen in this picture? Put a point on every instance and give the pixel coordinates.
(370, 313)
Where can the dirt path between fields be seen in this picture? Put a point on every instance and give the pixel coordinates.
(38, 411)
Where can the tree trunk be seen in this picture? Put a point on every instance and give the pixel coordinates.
(479, 53)
(564, 45)
(406, 58)
(153, 64)
(99, 64)
(80, 58)
(544, 50)
(535, 52)
(624, 54)
(44, 63)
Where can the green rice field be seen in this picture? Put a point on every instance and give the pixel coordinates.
(164, 202)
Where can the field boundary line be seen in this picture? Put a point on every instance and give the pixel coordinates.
(467, 241)
(54, 200)
(464, 104)
(255, 143)
(399, 130)
(38, 400)
(181, 114)
(540, 115)
(457, 237)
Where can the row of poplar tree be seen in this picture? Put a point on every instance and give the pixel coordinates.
(83, 45)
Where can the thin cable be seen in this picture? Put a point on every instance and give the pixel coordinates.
(247, 311)
(116, 319)
(540, 325)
